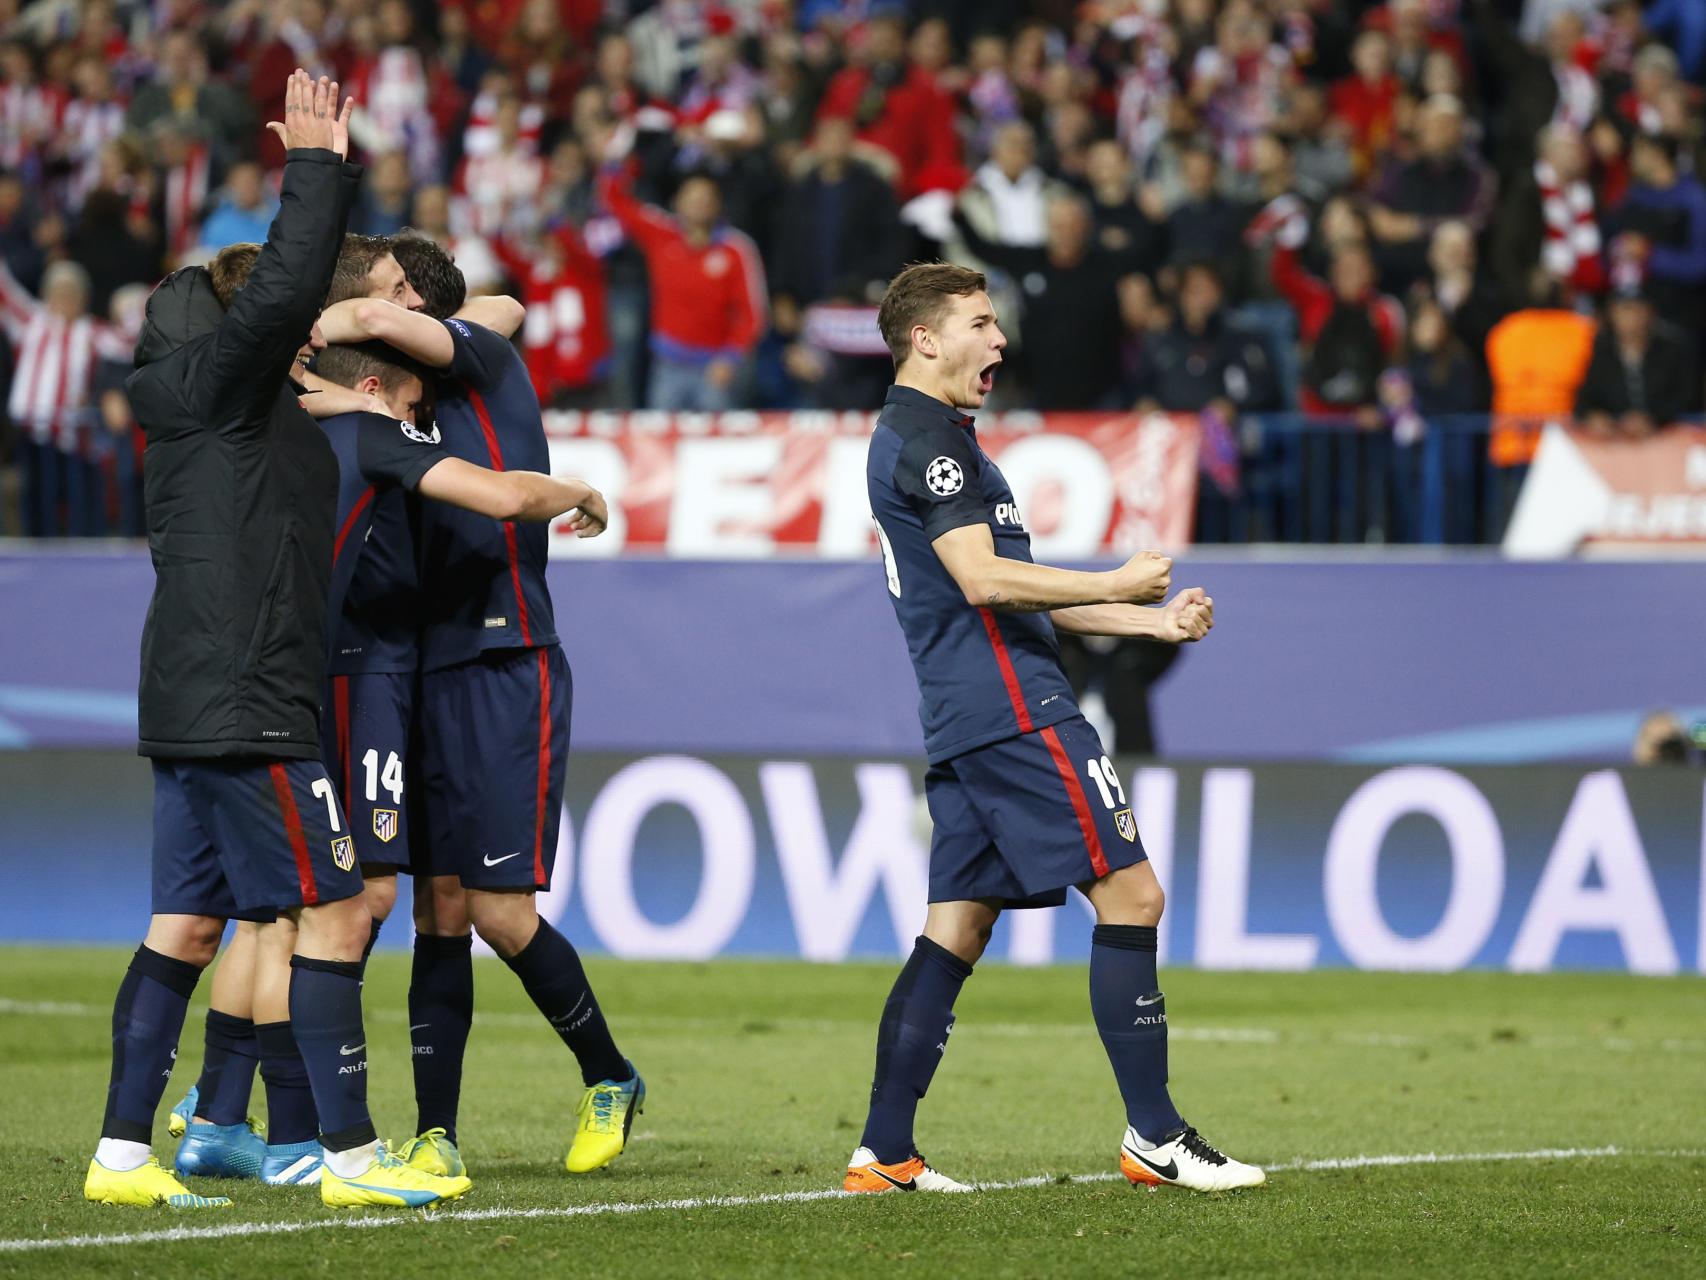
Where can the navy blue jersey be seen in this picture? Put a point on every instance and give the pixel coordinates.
(484, 579)
(373, 611)
(983, 674)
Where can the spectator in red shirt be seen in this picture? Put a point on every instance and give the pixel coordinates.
(1367, 100)
(707, 290)
(896, 106)
(1350, 333)
(565, 339)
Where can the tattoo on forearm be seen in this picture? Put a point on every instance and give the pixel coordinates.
(999, 601)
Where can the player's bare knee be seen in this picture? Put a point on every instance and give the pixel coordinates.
(380, 891)
(192, 939)
(334, 930)
(965, 936)
(506, 922)
(1130, 895)
(1149, 902)
(441, 907)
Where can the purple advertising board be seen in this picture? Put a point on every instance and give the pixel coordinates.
(1266, 866)
(1379, 657)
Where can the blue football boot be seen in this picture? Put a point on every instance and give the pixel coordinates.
(293, 1164)
(221, 1151)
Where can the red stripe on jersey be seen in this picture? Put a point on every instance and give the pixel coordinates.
(293, 833)
(1009, 677)
(544, 787)
(1080, 802)
(496, 454)
(349, 521)
(340, 713)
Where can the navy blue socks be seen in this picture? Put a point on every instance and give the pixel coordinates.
(291, 1117)
(441, 1010)
(325, 1014)
(1131, 1017)
(148, 1018)
(227, 1069)
(550, 970)
(910, 1041)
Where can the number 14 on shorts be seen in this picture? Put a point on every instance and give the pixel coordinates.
(390, 777)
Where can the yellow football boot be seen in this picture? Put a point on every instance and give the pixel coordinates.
(388, 1182)
(602, 1122)
(433, 1152)
(146, 1186)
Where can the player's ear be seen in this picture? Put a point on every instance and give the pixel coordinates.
(368, 386)
(923, 341)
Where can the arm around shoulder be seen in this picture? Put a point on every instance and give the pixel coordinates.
(497, 312)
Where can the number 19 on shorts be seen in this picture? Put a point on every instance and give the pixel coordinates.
(1106, 778)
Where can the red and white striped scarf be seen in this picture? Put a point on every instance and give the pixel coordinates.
(185, 195)
(1571, 250)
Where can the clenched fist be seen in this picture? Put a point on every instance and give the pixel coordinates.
(1143, 579)
(1188, 616)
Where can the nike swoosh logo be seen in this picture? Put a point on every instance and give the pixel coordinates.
(419, 1026)
(1169, 1171)
(1147, 1000)
(492, 862)
(346, 1050)
(911, 1184)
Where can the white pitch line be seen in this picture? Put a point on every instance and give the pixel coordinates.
(1007, 1030)
(235, 1230)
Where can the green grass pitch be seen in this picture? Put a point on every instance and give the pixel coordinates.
(1591, 1088)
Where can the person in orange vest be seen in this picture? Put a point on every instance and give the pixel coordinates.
(1537, 358)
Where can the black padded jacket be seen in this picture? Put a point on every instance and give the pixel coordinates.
(241, 489)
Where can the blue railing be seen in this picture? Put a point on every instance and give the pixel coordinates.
(1314, 480)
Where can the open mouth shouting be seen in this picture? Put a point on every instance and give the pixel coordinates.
(986, 378)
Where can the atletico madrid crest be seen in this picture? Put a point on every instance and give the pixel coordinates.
(343, 853)
(385, 824)
(1126, 825)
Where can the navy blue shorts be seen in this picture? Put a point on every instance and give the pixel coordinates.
(1023, 819)
(494, 742)
(245, 840)
(365, 730)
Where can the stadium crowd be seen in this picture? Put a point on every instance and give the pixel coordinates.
(1372, 212)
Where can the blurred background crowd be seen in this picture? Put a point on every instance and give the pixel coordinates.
(1377, 214)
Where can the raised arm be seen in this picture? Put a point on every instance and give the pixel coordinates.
(994, 581)
(17, 304)
(643, 224)
(270, 316)
(1298, 287)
